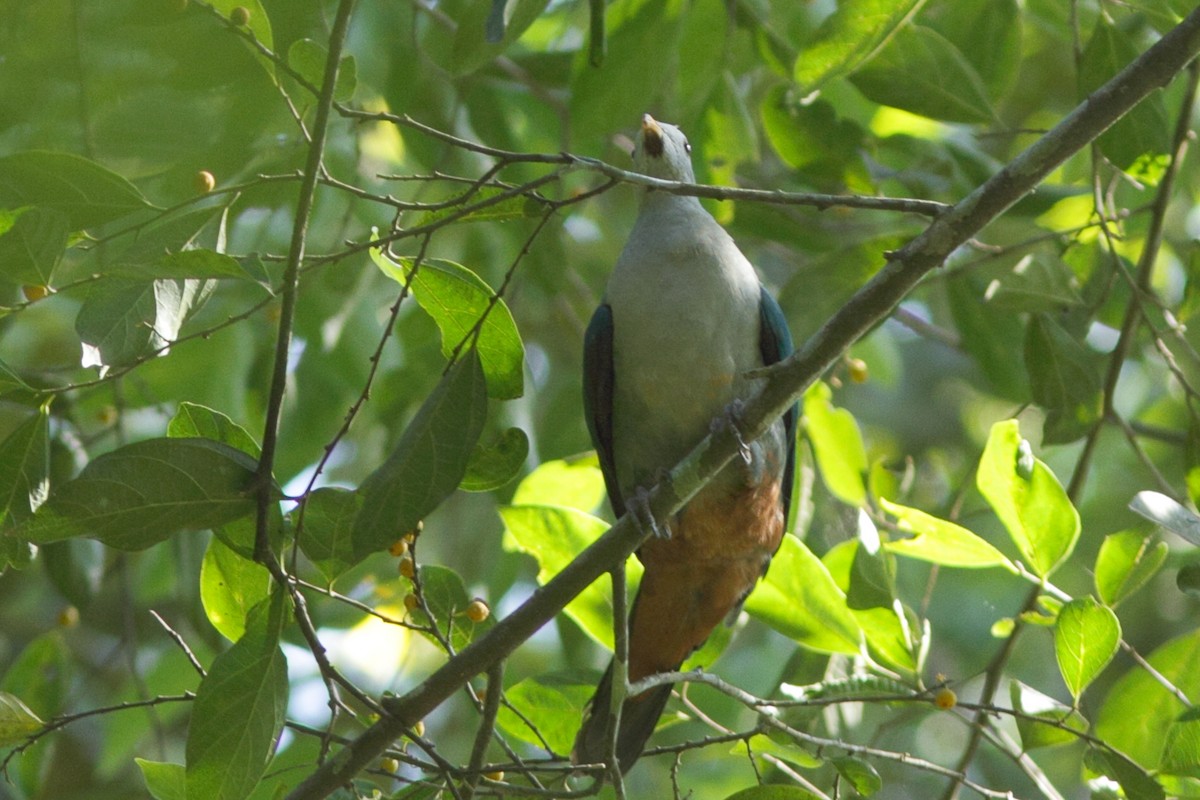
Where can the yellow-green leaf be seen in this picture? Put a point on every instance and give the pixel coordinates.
(1028, 499)
(459, 301)
(838, 445)
(940, 541)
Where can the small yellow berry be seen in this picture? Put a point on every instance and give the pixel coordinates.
(240, 15)
(205, 182)
(411, 602)
(857, 370)
(497, 775)
(412, 535)
(408, 567)
(945, 699)
(398, 548)
(478, 611)
(34, 292)
(389, 765)
(419, 728)
(68, 617)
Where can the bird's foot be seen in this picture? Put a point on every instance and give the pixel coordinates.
(639, 506)
(729, 418)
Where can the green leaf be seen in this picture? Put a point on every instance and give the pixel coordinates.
(988, 335)
(848, 38)
(778, 744)
(197, 263)
(1135, 781)
(707, 653)
(308, 58)
(1064, 379)
(42, 674)
(122, 320)
(75, 568)
(239, 710)
(168, 248)
(1036, 283)
(326, 537)
(164, 780)
(1181, 753)
(240, 534)
(1144, 131)
(553, 703)
(1030, 502)
(838, 445)
(987, 34)
(1138, 711)
(33, 246)
(1125, 562)
(809, 136)
(773, 791)
(940, 541)
(887, 637)
(799, 598)
(511, 207)
(1053, 723)
(140, 494)
(576, 484)
(417, 791)
(493, 466)
(259, 24)
(1086, 637)
(87, 193)
(446, 597)
(472, 48)
(938, 81)
(117, 323)
(861, 775)
(872, 576)
(231, 585)
(25, 468)
(193, 420)
(10, 381)
(429, 461)
(17, 722)
(729, 132)
(456, 298)
(609, 97)
(554, 536)
(1167, 512)
(1188, 580)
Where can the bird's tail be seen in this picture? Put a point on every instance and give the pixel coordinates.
(639, 715)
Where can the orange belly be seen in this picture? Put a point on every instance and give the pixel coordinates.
(719, 547)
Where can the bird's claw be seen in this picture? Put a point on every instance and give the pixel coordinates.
(729, 418)
(639, 506)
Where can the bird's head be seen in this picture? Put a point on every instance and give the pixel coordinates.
(663, 151)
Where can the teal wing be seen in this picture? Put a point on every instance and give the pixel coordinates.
(775, 344)
(598, 397)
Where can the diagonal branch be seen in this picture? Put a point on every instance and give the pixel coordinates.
(786, 382)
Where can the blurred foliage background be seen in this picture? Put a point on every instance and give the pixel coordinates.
(1071, 313)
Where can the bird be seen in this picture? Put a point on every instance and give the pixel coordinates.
(670, 352)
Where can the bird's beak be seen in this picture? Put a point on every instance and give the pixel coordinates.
(652, 136)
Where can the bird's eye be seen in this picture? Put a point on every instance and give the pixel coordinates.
(687, 146)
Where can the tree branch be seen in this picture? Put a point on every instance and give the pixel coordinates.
(291, 280)
(786, 382)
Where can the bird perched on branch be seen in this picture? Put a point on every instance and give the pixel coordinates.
(683, 321)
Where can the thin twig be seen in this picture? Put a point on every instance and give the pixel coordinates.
(187, 651)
